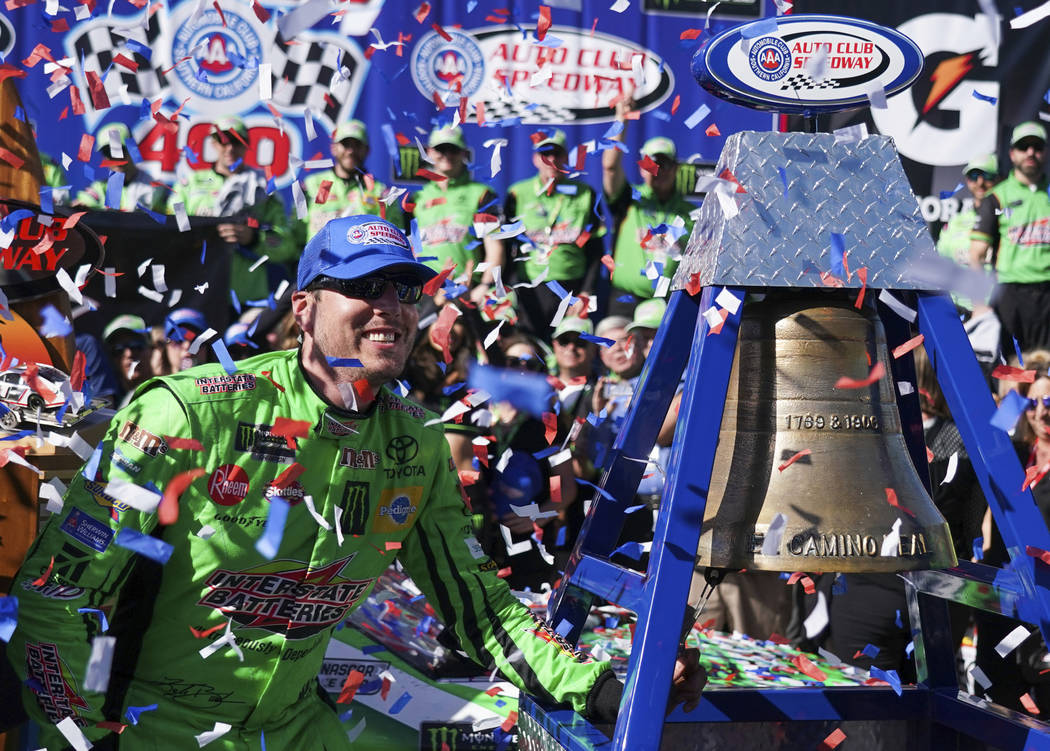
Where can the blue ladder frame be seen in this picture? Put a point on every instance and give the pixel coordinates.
(659, 597)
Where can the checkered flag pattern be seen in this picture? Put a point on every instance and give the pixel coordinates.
(802, 81)
(303, 73)
(99, 44)
(498, 109)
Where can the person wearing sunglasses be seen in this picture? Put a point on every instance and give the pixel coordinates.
(1013, 231)
(126, 341)
(980, 175)
(293, 481)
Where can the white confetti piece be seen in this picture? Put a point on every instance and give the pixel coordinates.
(303, 17)
(308, 501)
(877, 96)
(560, 458)
(514, 548)
(892, 542)
(338, 512)
(698, 114)
(96, 677)
(158, 277)
(638, 70)
(620, 6)
(151, 294)
(206, 531)
(486, 723)
(220, 729)
(856, 132)
(299, 199)
(265, 81)
(816, 66)
(80, 447)
(110, 281)
(52, 492)
(70, 287)
(817, 620)
(72, 733)
(897, 306)
(181, 218)
(541, 76)
(197, 343)
(353, 733)
(456, 409)
(133, 495)
(663, 285)
(905, 388)
(829, 657)
(953, 465)
(226, 640)
(728, 204)
(492, 336)
(979, 677)
(712, 316)
(1012, 640)
(728, 300)
(774, 535)
(495, 163)
(563, 306)
(1030, 17)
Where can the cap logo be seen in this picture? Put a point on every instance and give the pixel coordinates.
(376, 233)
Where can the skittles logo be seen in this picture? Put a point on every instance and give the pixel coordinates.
(439, 66)
(770, 59)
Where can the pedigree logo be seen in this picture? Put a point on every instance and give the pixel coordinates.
(574, 83)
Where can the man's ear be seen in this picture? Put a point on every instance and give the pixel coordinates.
(303, 306)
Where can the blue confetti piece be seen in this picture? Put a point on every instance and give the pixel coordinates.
(20, 114)
(218, 346)
(139, 47)
(346, 715)
(204, 250)
(889, 676)
(983, 98)
(659, 115)
(9, 222)
(262, 739)
(529, 392)
(559, 540)
(158, 218)
(870, 650)
(235, 301)
(132, 713)
(101, 617)
(471, 5)
(55, 324)
(1012, 406)
(14, 436)
(910, 648)
(599, 340)
(271, 537)
(1017, 349)
(568, 189)
(978, 548)
(897, 622)
(91, 467)
(151, 547)
(453, 388)
(632, 509)
(401, 703)
(949, 193)
(373, 648)
(632, 550)
(8, 617)
(271, 186)
(557, 289)
(838, 254)
(563, 628)
(698, 115)
(611, 621)
(761, 28)
(47, 202)
(344, 362)
(601, 491)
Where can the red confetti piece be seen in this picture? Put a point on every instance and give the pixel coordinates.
(1033, 475)
(266, 374)
(479, 107)
(74, 99)
(168, 510)
(428, 175)
(260, 12)
(322, 192)
(690, 33)
(648, 165)
(13, 159)
(511, 721)
(385, 691)
(441, 32)
(877, 372)
(431, 287)
(40, 581)
(99, 97)
(365, 392)
(543, 23)
(503, 573)
(808, 586)
(126, 62)
(805, 665)
(31, 376)
(115, 727)
(87, 143)
(350, 686)
(693, 286)
(794, 578)
(422, 12)
(290, 475)
(832, 741)
(582, 238)
(482, 454)
(207, 632)
(1029, 704)
(393, 545)
(929, 455)
(555, 488)
(891, 498)
(469, 477)
(291, 429)
(778, 639)
(1034, 552)
(728, 175)
(9, 71)
(675, 103)
(908, 346)
(191, 444)
(222, 17)
(795, 458)
(76, 377)
(862, 274)
(1010, 373)
(712, 130)
(494, 690)
(550, 423)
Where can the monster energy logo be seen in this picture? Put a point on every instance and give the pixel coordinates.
(435, 736)
(355, 507)
(443, 736)
(409, 163)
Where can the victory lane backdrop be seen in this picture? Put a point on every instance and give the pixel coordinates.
(168, 71)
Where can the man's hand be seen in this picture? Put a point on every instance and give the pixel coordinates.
(688, 681)
(236, 233)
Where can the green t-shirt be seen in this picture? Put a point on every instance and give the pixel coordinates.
(345, 198)
(639, 217)
(382, 486)
(445, 216)
(556, 225)
(1015, 220)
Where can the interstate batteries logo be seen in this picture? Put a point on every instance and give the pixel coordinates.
(571, 82)
(225, 49)
(55, 691)
(285, 597)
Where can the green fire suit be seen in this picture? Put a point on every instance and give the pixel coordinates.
(383, 482)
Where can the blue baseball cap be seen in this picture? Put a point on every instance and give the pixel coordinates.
(355, 246)
(178, 320)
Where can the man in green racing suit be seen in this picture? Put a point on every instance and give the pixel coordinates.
(232, 520)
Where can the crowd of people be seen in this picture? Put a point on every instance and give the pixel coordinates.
(535, 302)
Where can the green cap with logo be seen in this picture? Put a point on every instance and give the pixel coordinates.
(574, 325)
(648, 314)
(447, 136)
(1030, 129)
(125, 322)
(659, 146)
(351, 129)
(550, 140)
(988, 164)
(230, 123)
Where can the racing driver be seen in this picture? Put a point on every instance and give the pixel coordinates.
(233, 519)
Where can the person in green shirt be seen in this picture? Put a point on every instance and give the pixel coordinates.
(348, 188)
(652, 220)
(138, 187)
(445, 212)
(258, 225)
(562, 233)
(980, 174)
(1014, 225)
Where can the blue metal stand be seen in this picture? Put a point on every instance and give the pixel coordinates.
(659, 597)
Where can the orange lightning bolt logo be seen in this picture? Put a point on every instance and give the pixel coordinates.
(947, 74)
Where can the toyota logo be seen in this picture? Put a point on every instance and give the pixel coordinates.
(402, 448)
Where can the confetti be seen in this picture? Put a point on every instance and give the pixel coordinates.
(220, 729)
(806, 666)
(891, 498)
(168, 510)
(877, 372)
(835, 737)
(151, 547)
(1030, 17)
(774, 535)
(1029, 704)
(350, 685)
(96, 676)
(8, 616)
(793, 459)
(270, 540)
(1010, 373)
(72, 733)
(1010, 409)
(908, 346)
(1012, 640)
(697, 116)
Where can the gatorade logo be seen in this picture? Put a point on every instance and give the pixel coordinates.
(228, 485)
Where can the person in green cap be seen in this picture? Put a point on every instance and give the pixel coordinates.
(126, 340)
(445, 211)
(980, 175)
(562, 237)
(1013, 225)
(258, 225)
(348, 188)
(652, 219)
(138, 187)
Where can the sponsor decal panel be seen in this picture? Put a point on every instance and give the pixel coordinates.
(397, 509)
(259, 441)
(334, 671)
(87, 530)
(228, 485)
(226, 384)
(285, 597)
(53, 591)
(459, 736)
(358, 458)
(375, 233)
(402, 448)
(55, 687)
(293, 492)
(390, 403)
(356, 506)
(98, 492)
(148, 443)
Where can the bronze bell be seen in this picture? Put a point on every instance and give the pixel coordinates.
(793, 347)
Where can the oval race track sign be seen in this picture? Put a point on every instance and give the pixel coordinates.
(807, 64)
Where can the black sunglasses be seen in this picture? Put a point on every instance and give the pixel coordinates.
(531, 363)
(1032, 403)
(409, 289)
(135, 345)
(977, 173)
(1033, 144)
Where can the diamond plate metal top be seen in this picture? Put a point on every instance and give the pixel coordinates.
(801, 188)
